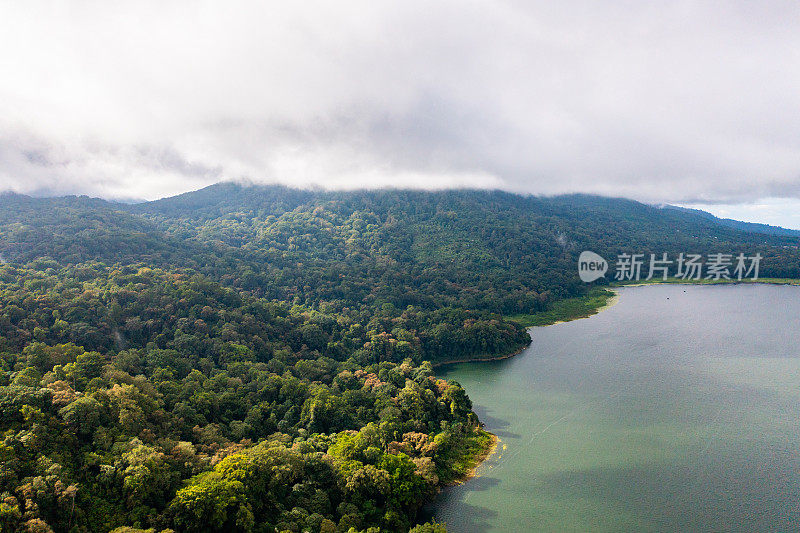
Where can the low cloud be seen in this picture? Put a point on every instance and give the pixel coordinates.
(686, 102)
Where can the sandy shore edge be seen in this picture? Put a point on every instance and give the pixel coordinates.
(490, 450)
(609, 303)
(479, 460)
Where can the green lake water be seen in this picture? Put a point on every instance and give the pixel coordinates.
(677, 409)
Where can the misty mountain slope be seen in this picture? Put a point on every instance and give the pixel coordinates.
(156, 357)
(752, 227)
(490, 227)
(74, 229)
(467, 248)
(458, 209)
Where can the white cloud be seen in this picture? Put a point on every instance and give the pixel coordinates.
(683, 101)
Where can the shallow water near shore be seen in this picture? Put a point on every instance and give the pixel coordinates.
(678, 409)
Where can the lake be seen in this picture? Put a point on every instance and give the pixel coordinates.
(677, 409)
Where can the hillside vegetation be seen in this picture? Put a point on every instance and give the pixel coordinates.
(260, 358)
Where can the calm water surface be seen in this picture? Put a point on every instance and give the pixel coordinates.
(678, 409)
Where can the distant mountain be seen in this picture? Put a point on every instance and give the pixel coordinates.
(224, 199)
(74, 229)
(468, 248)
(750, 227)
(260, 357)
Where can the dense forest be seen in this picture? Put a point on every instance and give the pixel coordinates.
(250, 358)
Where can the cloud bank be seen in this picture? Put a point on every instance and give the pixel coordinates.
(668, 102)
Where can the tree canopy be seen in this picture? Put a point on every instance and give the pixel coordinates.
(261, 358)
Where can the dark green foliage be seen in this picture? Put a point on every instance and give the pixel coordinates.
(479, 250)
(183, 373)
(259, 358)
(568, 309)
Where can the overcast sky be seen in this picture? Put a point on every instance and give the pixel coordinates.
(680, 102)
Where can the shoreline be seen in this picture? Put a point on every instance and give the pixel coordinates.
(612, 301)
(495, 440)
(479, 359)
(490, 450)
(479, 460)
(760, 281)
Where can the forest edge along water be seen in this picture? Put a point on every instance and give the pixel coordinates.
(596, 300)
(724, 460)
(567, 310)
(562, 311)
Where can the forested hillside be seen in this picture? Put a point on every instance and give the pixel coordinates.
(484, 250)
(260, 358)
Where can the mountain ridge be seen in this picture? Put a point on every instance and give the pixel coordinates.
(168, 358)
(295, 196)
